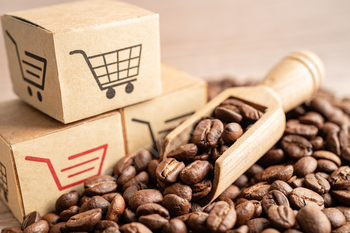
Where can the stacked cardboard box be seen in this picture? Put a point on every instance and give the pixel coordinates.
(95, 65)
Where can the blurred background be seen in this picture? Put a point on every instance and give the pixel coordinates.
(242, 39)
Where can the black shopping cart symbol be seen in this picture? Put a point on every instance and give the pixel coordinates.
(33, 69)
(3, 180)
(114, 68)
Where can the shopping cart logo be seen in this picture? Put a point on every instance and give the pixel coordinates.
(3, 181)
(33, 69)
(80, 167)
(114, 68)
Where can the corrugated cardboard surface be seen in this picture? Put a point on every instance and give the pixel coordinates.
(183, 95)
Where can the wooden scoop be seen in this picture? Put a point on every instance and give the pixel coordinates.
(296, 78)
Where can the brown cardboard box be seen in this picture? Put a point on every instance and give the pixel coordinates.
(80, 59)
(182, 95)
(41, 158)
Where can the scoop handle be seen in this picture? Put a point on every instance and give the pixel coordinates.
(296, 78)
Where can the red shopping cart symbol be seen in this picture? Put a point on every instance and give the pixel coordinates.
(79, 167)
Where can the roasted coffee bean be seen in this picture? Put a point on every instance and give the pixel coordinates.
(194, 172)
(333, 144)
(174, 226)
(323, 174)
(343, 229)
(216, 152)
(201, 189)
(231, 192)
(129, 192)
(241, 182)
(176, 205)
(204, 156)
(40, 226)
(258, 208)
(335, 217)
(84, 199)
(317, 183)
(272, 157)
(257, 225)
(330, 128)
(196, 207)
(207, 133)
(134, 227)
(51, 218)
(130, 215)
(10, 230)
(122, 164)
(221, 218)
(31, 218)
(241, 229)
(257, 191)
(323, 154)
(145, 196)
(323, 106)
(312, 118)
(301, 197)
(304, 166)
(116, 208)
(281, 217)
(340, 178)
(307, 131)
(84, 221)
(270, 230)
(272, 198)
(313, 220)
(126, 175)
(95, 203)
(152, 208)
(184, 153)
(232, 132)
(317, 143)
(345, 210)
(254, 170)
(296, 146)
(329, 201)
(153, 221)
(345, 153)
(245, 211)
(60, 227)
(227, 114)
(209, 207)
(142, 177)
(99, 185)
(104, 224)
(298, 182)
(343, 196)
(66, 200)
(179, 189)
(142, 159)
(277, 172)
(66, 214)
(151, 169)
(197, 222)
(183, 218)
(324, 165)
(111, 230)
(226, 199)
(109, 196)
(282, 186)
(250, 112)
(168, 170)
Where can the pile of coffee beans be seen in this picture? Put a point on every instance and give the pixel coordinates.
(301, 185)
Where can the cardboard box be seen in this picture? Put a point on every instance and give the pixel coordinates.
(182, 95)
(80, 59)
(41, 158)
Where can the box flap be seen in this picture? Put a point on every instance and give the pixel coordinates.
(175, 79)
(20, 122)
(80, 14)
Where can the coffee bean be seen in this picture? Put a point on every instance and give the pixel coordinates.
(296, 146)
(168, 170)
(335, 217)
(317, 183)
(301, 197)
(322, 105)
(255, 169)
(241, 229)
(129, 192)
(40, 226)
(304, 166)
(83, 199)
(343, 196)
(184, 153)
(10, 230)
(60, 227)
(272, 198)
(194, 172)
(204, 156)
(323, 154)
(123, 163)
(176, 205)
(197, 208)
(207, 133)
(270, 230)
(111, 230)
(257, 191)
(151, 169)
(145, 196)
(109, 196)
(180, 190)
(312, 118)
(277, 172)
(201, 189)
(95, 203)
(241, 182)
(257, 225)
(250, 112)
(71, 211)
(245, 211)
(313, 220)
(307, 131)
(134, 227)
(298, 182)
(272, 157)
(66, 200)
(340, 178)
(329, 201)
(153, 221)
(232, 132)
(333, 144)
(221, 218)
(282, 186)
(31, 218)
(105, 224)
(324, 165)
(141, 160)
(99, 185)
(346, 212)
(228, 114)
(126, 175)
(116, 208)
(152, 208)
(343, 229)
(142, 177)
(258, 208)
(130, 215)
(183, 218)
(197, 222)
(51, 218)
(317, 143)
(330, 128)
(323, 174)
(174, 226)
(84, 221)
(231, 192)
(281, 217)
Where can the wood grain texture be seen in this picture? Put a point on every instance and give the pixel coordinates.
(240, 38)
